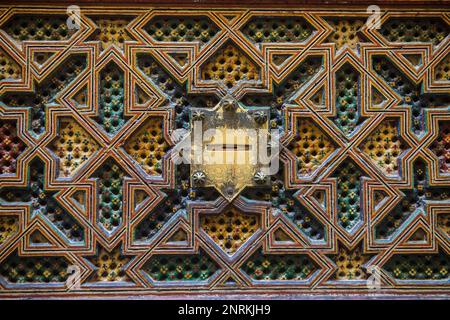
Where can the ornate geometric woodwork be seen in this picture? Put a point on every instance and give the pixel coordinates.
(93, 201)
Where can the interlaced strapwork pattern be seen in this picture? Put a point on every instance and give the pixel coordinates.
(93, 186)
(410, 93)
(286, 90)
(45, 92)
(414, 201)
(173, 90)
(175, 202)
(42, 202)
(284, 202)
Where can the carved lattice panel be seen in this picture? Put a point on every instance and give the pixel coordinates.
(91, 200)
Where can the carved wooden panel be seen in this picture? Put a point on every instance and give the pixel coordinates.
(92, 201)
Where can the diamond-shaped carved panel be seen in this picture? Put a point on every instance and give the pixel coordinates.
(230, 229)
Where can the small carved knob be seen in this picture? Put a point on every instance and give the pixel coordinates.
(198, 115)
(199, 177)
(260, 117)
(260, 177)
(229, 104)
